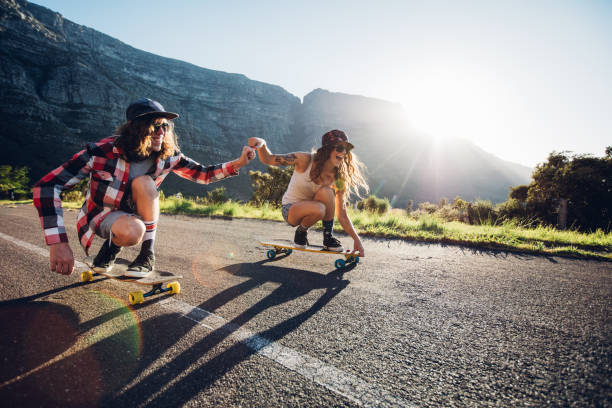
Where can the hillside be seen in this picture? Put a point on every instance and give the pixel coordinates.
(63, 84)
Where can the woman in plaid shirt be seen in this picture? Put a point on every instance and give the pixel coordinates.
(121, 204)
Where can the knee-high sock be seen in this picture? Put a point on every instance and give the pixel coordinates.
(148, 240)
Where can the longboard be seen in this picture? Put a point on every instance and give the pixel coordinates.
(287, 247)
(156, 279)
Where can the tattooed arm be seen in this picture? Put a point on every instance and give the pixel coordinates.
(298, 159)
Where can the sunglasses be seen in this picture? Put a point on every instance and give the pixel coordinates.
(340, 148)
(157, 126)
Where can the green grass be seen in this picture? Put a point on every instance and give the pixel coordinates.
(509, 235)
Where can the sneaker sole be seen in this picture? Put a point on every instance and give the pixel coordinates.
(99, 269)
(134, 274)
(336, 249)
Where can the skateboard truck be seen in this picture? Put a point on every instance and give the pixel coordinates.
(160, 282)
(138, 296)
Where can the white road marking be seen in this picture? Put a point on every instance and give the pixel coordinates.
(330, 377)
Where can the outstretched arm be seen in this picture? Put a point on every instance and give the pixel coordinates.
(191, 170)
(297, 159)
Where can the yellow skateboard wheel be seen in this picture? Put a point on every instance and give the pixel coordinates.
(174, 287)
(86, 276)
(136, 298)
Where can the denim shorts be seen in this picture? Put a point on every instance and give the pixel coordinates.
(104, 229)
(285, 212)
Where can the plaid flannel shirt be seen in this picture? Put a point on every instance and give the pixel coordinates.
(109, 178)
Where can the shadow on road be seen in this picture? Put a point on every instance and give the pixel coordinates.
(40, 295)
(51, 357)
(294, 283)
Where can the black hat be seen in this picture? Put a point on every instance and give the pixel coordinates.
(147, 107)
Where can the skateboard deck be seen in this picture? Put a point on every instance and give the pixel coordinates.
(155, 279)
(286, 246)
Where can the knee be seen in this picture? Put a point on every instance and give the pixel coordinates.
(326, 194)
(320, 210)
(130, 233)
(144, 187)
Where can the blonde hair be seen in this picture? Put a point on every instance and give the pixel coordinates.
(349, 175)
(135, 139)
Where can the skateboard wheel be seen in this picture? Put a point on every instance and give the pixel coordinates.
(356, 259)
(136, 298)
(174, 287)
(289, 251)
(340, 263)
(86, 276)
(271, 254)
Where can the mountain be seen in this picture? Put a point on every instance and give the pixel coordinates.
(63, 84)
(402, 163)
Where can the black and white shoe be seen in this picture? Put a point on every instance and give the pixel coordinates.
(142, 266)
(104, 261)
(331, 243)
(301, 238)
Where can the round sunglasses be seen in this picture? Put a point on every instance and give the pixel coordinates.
(340, 148)
(157, 126)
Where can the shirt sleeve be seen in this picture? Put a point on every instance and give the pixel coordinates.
(46, 195)
(191, 170)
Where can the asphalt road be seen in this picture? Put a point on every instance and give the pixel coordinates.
(410, 325)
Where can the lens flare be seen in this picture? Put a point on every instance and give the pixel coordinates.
(208, 265)
(75, 358)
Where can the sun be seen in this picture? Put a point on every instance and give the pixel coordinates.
(446, 104)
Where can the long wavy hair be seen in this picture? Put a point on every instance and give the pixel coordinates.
(135, 140)
(349, 175)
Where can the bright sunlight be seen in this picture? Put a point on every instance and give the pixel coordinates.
(447, 102)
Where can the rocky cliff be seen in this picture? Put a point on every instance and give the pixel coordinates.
(63, 84)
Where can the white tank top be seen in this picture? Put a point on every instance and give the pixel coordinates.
(301, 187)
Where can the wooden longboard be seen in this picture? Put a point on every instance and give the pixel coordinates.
(156, 279)
(286, 246)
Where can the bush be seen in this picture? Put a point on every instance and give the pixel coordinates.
(409, 207)
(481, 212)
(14, 182)
(449, 213)
(217, 196)
(512, 209)
(374, 204)
(459, 203)
(269, 187)
(428, 208)
(76, 193)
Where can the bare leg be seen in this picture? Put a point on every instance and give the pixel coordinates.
(327, 196)
(146, 197)
(308, 213)
(129, 230)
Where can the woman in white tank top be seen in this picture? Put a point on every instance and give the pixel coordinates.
(319, 187)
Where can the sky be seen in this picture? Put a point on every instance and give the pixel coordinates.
(520, 79)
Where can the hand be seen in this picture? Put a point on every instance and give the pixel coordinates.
(61, 258)
(256, 142)
(248, 154)
(358, 247)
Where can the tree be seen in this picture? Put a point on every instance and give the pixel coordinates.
(519, 193)
(14, 181)
(269, 187)
(584, 180)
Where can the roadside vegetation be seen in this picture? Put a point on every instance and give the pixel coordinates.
(526, 222)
